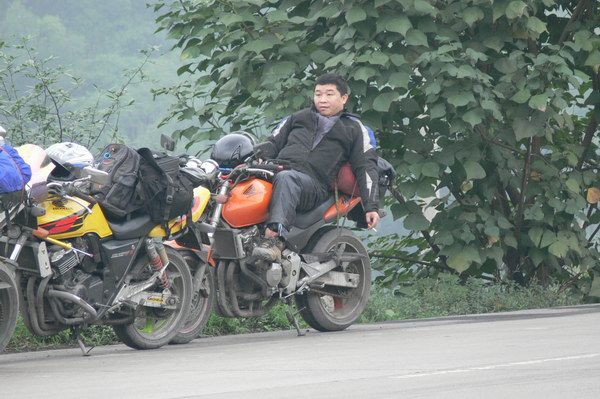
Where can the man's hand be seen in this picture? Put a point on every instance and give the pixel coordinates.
(372, 219)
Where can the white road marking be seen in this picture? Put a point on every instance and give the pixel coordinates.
(496, 366)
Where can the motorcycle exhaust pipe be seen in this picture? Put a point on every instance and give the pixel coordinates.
(93, 315)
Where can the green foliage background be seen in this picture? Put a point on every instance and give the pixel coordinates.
(88, 54)
(488, 109)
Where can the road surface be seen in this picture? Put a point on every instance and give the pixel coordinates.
(530, 354)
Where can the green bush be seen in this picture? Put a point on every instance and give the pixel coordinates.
(428, 297)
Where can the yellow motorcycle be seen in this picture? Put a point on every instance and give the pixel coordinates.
(72, 267)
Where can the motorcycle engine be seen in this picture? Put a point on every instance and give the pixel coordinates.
(73, 278)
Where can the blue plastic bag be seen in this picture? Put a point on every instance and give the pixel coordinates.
(14, 171)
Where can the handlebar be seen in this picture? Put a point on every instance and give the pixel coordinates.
(69, 189)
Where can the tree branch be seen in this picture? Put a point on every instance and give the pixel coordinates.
(521, 206)
(574, 17)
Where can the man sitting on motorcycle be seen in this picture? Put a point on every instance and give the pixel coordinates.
(314, 143)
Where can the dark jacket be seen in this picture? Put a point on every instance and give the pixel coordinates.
(348, 140)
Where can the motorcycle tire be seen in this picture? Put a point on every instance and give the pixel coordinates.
(9, 305)
(203, 299)
(155, 327)
(337, 312)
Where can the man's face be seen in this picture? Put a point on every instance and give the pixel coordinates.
(328, 99)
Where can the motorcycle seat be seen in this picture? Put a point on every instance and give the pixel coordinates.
(307, 219)
(135, 227)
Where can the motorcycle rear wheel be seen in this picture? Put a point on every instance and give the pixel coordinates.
(202, 302)
(9, 305)
(338, 311)
(155, 327)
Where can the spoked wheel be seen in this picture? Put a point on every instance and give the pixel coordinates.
(336, 308)
(154, 327)
(9, 305)
(203, 298)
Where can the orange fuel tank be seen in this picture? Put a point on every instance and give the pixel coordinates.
(248, 203)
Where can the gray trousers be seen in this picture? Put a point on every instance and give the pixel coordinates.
(293, 192)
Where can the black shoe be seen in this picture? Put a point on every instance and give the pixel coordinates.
(269, 250)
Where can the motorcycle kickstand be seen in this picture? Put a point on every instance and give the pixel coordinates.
(75, 331)
(292, 318)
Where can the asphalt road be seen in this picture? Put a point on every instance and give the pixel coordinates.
(530, 354)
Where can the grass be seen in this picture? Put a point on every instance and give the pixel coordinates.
(425, 298)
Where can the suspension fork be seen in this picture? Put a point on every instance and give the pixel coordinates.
(220, 199)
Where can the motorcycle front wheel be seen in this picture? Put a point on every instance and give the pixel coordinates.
(9, 305)
(154, 327)
(336, 308)
(203, 298)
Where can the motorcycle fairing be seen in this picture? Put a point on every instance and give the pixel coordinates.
(69, 219)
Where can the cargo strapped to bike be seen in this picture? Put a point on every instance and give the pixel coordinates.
(166, 192)
(119, 197)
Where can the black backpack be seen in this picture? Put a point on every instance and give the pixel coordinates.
(119, 197)
(166, 192)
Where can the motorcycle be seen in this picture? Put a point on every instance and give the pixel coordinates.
(72, 267)
(324, 266)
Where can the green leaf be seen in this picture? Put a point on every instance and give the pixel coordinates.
(398, 59)
(461, 260)
(558, 249)
(510, 240)
(541, 237)
(534, 24)
(539, 101)
(523, 129)
(503, 223)
(320, 56)
(474, 170)
(416, 38)
(498, 10)
(230, 19)
(472, 15)
(378, 58)
(573, 185)
(259, 45)
(284, 68)
(416, 222)
(425, 190)
(355, 14)
(461, 98)
(364, 73)
(516, 9)
(430, 169)
(473, 117)
(342, 59)
(400, 24)
(521, 96)
(277, 15)
(424, 7)
(399, 79)
(593, 59)
(506, 65)
(384, 100)
(438, 111)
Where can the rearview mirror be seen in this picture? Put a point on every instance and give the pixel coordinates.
(167, 143)
(39, 192)
(96, 175)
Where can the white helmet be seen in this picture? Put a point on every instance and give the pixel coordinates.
(68, 157)
(70, 154)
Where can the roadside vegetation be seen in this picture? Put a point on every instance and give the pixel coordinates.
(428, 297)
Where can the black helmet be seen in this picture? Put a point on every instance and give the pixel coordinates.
(231, 150)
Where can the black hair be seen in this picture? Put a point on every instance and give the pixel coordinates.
(333, 79)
